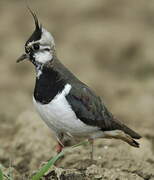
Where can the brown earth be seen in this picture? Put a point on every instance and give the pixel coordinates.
(109, 45)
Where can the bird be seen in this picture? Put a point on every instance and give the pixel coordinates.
(67, 105)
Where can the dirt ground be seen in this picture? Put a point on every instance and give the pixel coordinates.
(109, 45)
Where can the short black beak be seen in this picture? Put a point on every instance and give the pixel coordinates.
(22, 57)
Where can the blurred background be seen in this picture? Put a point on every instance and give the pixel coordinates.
(109, 45)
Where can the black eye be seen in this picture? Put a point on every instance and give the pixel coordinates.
(36, 46)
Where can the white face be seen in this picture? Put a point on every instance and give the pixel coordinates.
(42, 50)
(46, 38)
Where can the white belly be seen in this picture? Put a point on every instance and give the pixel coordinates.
(59, 116)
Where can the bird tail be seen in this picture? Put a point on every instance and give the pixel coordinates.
(121, 131)
(124, 128)
(130, 140)
(119, 134)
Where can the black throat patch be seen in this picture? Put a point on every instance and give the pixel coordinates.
(48, 85)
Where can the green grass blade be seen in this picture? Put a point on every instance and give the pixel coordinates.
(1, 174)
(47, 166)
(51, 162)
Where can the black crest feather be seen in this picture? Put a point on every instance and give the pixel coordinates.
(35, 18)
(38, 28)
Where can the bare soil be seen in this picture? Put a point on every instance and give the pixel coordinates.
(109, 45)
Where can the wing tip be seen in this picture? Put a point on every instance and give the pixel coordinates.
(134, 135)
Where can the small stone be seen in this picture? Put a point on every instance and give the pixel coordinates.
(106, 147)
(99, 157)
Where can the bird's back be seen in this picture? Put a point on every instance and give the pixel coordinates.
(88, 107)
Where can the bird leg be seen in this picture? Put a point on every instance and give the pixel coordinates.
(59, 147)
(91, 141)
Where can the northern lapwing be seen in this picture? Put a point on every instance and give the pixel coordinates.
(67, 105)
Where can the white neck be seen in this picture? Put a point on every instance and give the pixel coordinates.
(43, 56)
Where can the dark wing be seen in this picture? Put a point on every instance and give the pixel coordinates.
(90, 109)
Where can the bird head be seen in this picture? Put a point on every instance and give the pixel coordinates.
(40, 47)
